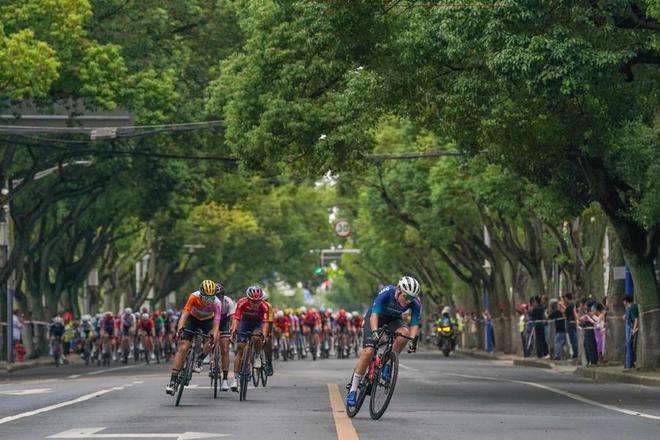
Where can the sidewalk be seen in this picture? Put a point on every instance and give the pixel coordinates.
(616, 374)
(30, 363)
(603, 373)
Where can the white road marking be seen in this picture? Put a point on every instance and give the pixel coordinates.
(74, 376)
(92, 433)
(56, 406)
(26, 392)
(406, 367)
(106, 370)
(563, 393)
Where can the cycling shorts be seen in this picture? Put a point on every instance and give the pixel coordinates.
(391, 325)
(247, 326)
(193, 324)
(125, 330)
(312, 327)
(342, 329)
(225, 324)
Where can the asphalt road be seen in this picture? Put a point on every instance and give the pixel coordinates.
(436, 398)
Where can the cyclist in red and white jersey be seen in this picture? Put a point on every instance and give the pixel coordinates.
(250, 317)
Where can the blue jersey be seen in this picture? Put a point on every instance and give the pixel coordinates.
(56, 329)
(387, 306)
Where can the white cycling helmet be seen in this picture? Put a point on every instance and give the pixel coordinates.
(446, 310)
(355, 313)
(145, 316)
(303, 309)
(58, 320)
(409, 286)
(128, 310)
(280, 314)
(86, 318)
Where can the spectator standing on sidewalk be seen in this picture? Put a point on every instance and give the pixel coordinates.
(474, 330)
(588, 325)
(600, 320)
(16, 326)
(538, 316)
(571, 326)
(631, 319)
(557, 316)
(522, 325)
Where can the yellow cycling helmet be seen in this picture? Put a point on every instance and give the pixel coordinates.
(208, 288)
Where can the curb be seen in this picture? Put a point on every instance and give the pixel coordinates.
(4, 368)
(483, 355)
(635, 378)
(532, 363)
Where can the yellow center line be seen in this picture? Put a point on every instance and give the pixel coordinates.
(343, 424)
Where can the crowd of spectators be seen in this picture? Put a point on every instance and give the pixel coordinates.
(568, 317)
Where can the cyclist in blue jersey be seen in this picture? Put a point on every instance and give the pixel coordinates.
(387, 311)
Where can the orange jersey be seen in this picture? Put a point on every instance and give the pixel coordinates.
(199, 310)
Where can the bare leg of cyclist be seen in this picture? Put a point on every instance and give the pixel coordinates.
(268, 350)
(237, 364)
(361, 366)
(400, 343)
(205, 351)
(224, 357)
(184, 346)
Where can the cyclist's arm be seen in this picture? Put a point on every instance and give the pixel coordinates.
(182, 320)
(373, 321)
(215, 332)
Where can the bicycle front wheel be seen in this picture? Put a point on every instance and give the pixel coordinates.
(246, 369)
(184, 377)
(352, 411)
(215, 370)
(383, 387)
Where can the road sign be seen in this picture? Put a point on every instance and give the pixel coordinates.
(93, 433)
(342, 228)
(619, 272)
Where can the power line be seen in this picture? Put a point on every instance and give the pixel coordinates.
(115, 153)
(413, 156)
(102, 133)
(48, 143)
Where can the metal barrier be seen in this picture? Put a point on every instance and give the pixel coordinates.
(34, 338)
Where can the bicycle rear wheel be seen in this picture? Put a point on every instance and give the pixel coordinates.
(264, 376)
(382, 390)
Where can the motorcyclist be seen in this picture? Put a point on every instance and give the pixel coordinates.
(445, 319)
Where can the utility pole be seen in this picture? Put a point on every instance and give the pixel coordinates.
(5, 241)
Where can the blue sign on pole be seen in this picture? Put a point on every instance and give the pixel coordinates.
(629, 281)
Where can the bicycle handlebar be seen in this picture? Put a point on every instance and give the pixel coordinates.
(198, 332)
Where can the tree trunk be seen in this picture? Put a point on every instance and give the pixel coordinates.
(643, 274)
(615, 336)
